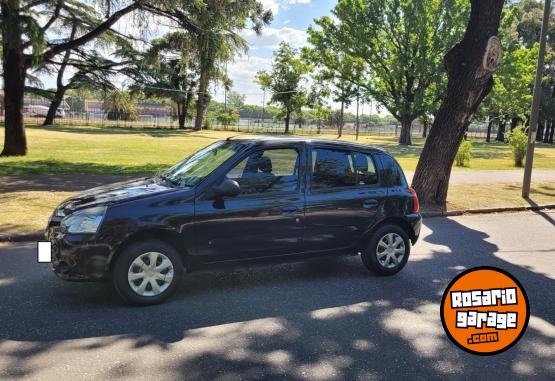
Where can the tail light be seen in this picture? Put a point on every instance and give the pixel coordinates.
(415, 202)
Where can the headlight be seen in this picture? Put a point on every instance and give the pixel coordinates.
(84, 221)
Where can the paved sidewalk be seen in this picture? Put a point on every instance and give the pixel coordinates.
(75, 183)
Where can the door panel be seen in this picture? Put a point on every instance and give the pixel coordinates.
(265, 220)
(337, 219)
(250, 227)
(343, 201)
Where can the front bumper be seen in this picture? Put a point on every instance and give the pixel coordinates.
(78, 257)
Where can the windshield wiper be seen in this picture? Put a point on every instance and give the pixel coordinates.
(167, 178)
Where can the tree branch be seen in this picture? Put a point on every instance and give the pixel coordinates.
(54, 16)
(58, 48)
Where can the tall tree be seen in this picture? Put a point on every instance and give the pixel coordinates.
(469, 66)
(285, 79)
(26, 43)
(168, 69)
(401, 44)
(215, 24)
(340, 71)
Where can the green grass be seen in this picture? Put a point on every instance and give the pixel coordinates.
(133, 151)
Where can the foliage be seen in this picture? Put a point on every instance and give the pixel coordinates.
(337, 70)
(120, 105)
(228, 118)
(464, 154)
(215, 25)
(285, 80)
(518, 140)
(400, 44)
(235, 101)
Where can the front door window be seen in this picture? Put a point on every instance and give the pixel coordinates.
(268, 171)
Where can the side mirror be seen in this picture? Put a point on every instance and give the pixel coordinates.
(228, 188)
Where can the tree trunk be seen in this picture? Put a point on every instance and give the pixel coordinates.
(501, 132)
(405, 137)
(425, 129)
(552, 133)
(488, 135)
(201, 100)
(54, 105)
(13, 61)
(468, 83)
(287, 120)
(180, 114)
(341, 120)
(540, 130)
(60, 88)
(549, 127)
(514, 122)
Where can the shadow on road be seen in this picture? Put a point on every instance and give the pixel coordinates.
(326, 319)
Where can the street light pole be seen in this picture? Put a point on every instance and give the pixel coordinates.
(535, 112)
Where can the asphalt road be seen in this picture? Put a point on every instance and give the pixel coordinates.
(321, 320)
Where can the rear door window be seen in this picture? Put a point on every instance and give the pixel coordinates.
(332, 169)
(365, 169)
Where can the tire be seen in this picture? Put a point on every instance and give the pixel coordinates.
(140, 284)
(386, 260)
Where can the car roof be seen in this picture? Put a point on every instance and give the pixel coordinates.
(262, 139)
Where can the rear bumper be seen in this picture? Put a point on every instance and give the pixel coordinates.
(415, 220)
(77, 257)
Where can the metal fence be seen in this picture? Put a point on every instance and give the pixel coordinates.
(160, 117)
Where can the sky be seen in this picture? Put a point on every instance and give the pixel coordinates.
(291, 20)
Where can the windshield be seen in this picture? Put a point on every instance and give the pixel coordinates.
(195, 168)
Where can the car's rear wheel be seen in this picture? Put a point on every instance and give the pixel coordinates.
(147, 272)
(387, 252)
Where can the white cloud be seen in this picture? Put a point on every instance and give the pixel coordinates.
(271, 37)
(243, 71)
(276, 5)
(272, 5)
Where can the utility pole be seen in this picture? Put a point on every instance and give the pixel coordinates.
(358, 120)
(263, 105)
(535, 112)
(225, 90)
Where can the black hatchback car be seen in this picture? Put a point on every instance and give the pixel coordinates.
(239, 200)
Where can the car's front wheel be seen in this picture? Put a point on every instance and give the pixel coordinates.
(147, 272)
(387, 251)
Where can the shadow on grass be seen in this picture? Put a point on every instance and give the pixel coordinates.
(114, 130)
(66, 167)
(12, 228)
(545, 190)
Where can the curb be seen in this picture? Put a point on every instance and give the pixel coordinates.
(37, 236)
(23, 237)
(453, 213)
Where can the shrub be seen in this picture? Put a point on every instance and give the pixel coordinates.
(464, 154)
(518, 140)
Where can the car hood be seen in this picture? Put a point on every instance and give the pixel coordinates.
(115, 193)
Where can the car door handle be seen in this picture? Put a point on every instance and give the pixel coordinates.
(370, 204)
